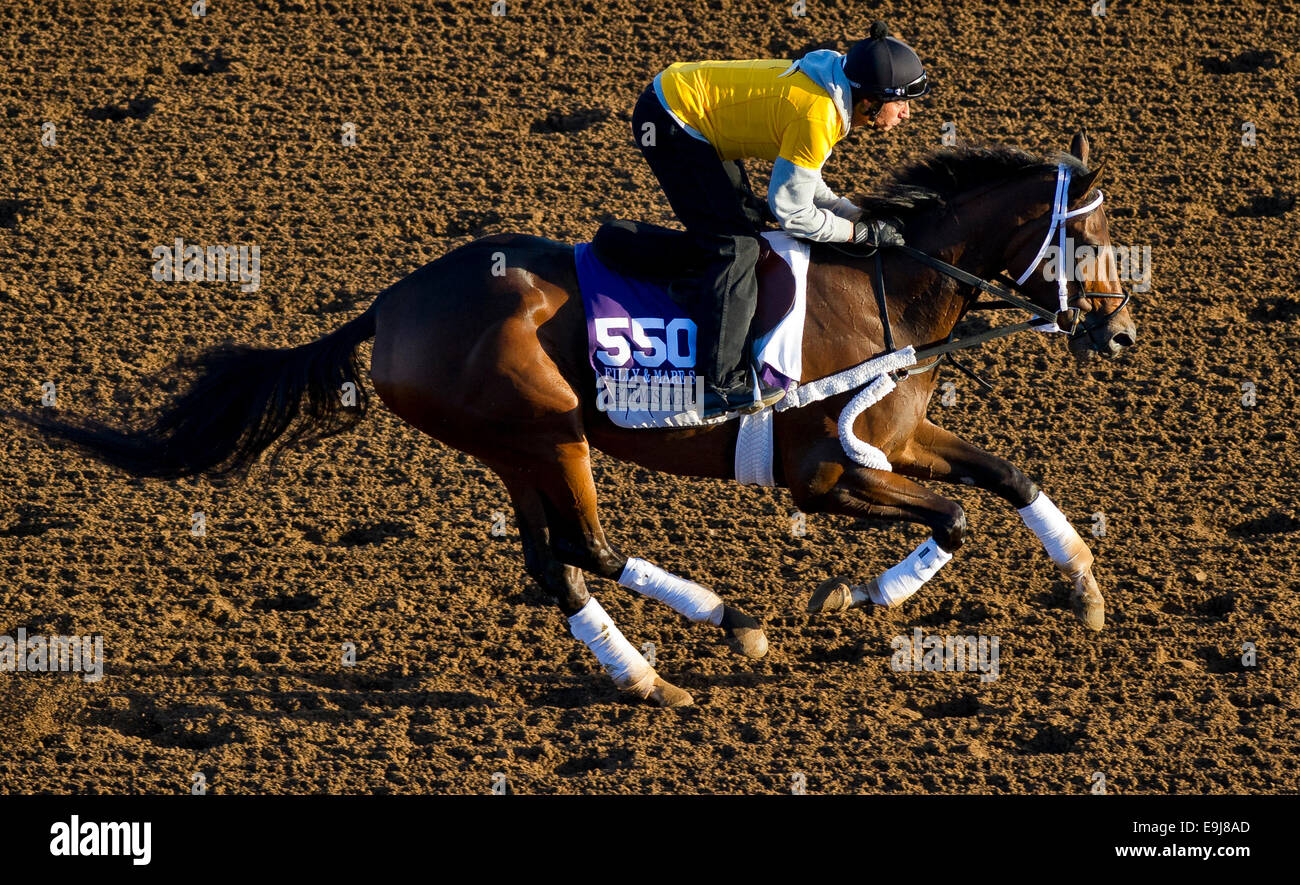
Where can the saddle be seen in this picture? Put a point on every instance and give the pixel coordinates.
(663, 255)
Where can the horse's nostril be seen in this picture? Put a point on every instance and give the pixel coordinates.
(1120, 340)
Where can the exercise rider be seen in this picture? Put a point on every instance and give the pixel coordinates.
(695, 124)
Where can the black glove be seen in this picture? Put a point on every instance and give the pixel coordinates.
(877, 232)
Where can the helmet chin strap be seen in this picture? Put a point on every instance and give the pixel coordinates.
(1060, 214)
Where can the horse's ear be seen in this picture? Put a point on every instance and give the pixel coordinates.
(1081, 184)
(1079, 146)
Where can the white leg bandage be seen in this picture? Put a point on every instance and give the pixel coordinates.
(621, 661)
(698, 603)
(906, 578)
(1060, 539)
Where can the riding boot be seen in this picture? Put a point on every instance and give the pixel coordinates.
(724, 315)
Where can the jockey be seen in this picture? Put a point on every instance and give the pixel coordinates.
(698, 120)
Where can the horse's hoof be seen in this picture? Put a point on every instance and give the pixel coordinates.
(652, 687)
(665, 694)
(744, 634)
(834, 595)
(1087, 601)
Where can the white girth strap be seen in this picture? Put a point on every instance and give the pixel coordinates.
(755, 449)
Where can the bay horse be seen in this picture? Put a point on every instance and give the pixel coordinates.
(485, 349)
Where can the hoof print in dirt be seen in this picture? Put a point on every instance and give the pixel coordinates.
(1265, 206)
(571, 121)
(1278, 309)
(135, 109)
(208, 63)
(1252, 61)
(12, 212)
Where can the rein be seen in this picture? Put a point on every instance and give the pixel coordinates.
(1007, 298)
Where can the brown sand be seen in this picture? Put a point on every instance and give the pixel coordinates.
(224, 651)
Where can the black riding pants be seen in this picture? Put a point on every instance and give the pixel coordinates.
(714, 201)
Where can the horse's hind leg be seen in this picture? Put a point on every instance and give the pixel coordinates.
(832, 484)
(577, 538)
(939, 454)
(588, 621)
(698, 603)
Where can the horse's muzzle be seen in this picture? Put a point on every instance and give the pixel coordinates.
(1109, 338)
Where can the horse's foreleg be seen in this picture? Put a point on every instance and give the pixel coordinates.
(936, 453)
(846, 488)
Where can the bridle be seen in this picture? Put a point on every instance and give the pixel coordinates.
(1061, 213)
(1013, 296)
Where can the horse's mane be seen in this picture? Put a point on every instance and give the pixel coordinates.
(925, 184)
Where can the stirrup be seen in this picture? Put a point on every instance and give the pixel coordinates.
(765, 396)
(761, 396)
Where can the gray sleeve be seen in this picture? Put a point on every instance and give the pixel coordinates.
(793, 198)
(825, 198)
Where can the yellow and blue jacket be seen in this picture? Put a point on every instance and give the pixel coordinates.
(792, 113)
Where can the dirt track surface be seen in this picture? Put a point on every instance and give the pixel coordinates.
(224, 651)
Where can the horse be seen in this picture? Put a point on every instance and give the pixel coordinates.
(484, 350)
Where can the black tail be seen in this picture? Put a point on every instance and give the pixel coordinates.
(242, 400)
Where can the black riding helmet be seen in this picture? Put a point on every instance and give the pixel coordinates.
(885, 68)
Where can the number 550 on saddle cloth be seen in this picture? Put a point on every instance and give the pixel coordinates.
(642, 344)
